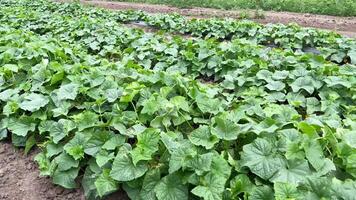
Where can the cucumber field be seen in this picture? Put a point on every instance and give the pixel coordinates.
(126, 104)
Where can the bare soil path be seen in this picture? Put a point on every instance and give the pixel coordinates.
(342, 25)
(20, 180)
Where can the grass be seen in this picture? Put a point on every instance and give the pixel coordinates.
(325, 7)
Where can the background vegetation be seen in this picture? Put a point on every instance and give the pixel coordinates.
(326, 7)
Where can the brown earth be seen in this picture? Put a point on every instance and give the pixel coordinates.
(20, 180)
(342, 25)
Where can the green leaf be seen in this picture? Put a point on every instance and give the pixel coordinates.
(314, 154)
(305, 83)
(57, 77)
(225, 129)
(264, 75)
(212, 189)
(7, 94)
(337, 81)
(241, 183)
(220, 166)
(262, 193)
(180, 102)
(105, 184)
(280, 75)
(171, 188)
(150, 106)
(275, 85)
(98, 138)
(114, 142)
(344, 189)
(203, 137)
(151, 179)
(123, 168)
(18, 141)
(86, 119)
(201, 163)
(53, 149)
(11, 67)
(350, 138)
(262, 158)
(75, 147)
(294, 172)
(88, 184)
(21, 126)
(57, 130)
(65, 162)
(352, 55)
(351, 164)
(181, 153)
(112, 94)
(3, 130)
(3, 134)
(208, 105)
(44, 164)
(285, 191)
(33, 102)
(68, 91)
(146, 146)
(66, 179)
(31, 141)
(104, 157)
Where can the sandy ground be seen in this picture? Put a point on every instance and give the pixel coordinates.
(342, 25)
(20, 180)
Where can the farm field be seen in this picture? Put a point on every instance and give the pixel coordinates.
(343, 25)
(326, 7)
(194, 109)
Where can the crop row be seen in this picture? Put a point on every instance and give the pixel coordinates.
(330, 45)
(208, 59)
(108, 105)
(326, 7)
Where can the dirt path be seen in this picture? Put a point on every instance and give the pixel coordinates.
(20, 180)
(342, 25)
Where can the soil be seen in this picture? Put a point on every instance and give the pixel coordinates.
(20, 180)
(342, 25)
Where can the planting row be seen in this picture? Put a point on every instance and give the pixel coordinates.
(330, 45)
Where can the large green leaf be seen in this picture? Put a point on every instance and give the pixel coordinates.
(203, 137)
(124, 169)
(261, 158)
(294, 172)
(85, 120)
(68, 91)
(305, 83)
(75, 147)
(146, 146)
(105, 184)
(66, 179)
(151, 179)
(33, 102)
(208, 105)
(286, 191)
(21, 126)
(225, 129)
(171, 188)
(181, 155)
(212, 189)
